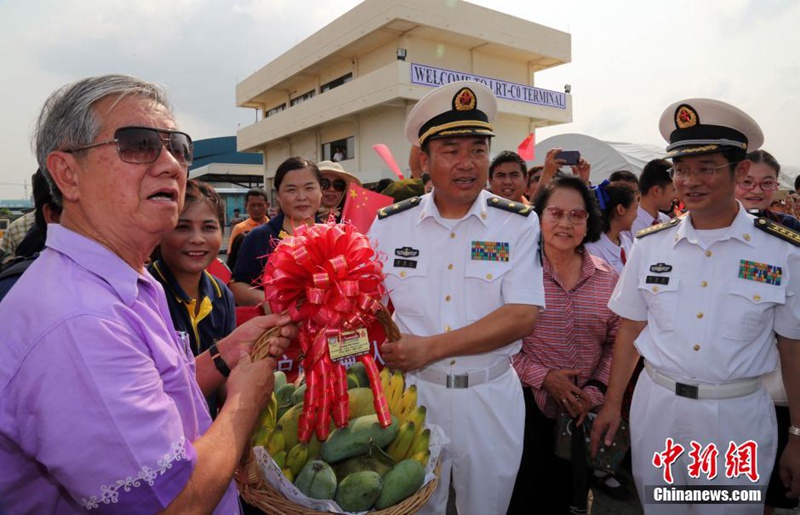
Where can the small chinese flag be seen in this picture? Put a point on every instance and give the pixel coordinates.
(362, 205)
(525, 149)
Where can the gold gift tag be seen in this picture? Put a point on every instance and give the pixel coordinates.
(348, 344)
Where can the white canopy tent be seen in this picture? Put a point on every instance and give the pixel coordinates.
(607, 157)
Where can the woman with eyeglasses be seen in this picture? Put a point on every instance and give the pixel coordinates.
(335, 181)
(298, 183)
(757, 189)
(564, 364)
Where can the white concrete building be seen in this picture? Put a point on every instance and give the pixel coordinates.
(351, 84)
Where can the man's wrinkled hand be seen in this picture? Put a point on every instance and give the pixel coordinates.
(245, 335)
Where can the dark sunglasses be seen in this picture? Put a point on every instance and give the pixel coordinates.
(338, 184)
(142, 145)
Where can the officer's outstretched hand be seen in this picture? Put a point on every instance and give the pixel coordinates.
(605, 426)
(407, 354)
(790, 467)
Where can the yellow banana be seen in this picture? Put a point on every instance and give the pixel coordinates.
(288, 473)
(297, 457)
(385, 376)
(418, 417)
(271, 420)
(421, 442)
(267, 418)
(280, 459)
(422, 457)
(261, 436)
(402, 442)
(395, 393)
(276, 441)
(408, 402)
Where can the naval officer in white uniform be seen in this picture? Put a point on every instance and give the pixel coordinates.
(466, 283)
(701, 298)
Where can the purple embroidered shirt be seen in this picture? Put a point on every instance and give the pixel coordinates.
(99, 404)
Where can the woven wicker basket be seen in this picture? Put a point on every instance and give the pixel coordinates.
(260, 494)
(257, 492)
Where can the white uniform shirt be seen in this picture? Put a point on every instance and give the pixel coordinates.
(606, 249)
(437, 281)
(706, 321)
(643, 221)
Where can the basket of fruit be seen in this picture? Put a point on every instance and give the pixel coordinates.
(361, 466)
(340, 439)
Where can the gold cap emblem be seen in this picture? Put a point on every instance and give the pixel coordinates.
(685, 117)
(464, 100)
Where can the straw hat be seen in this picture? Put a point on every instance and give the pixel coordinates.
(336, 169)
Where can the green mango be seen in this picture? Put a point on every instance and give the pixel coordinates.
(316, 480)
(359, 491)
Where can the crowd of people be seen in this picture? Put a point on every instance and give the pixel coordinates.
(525, 296)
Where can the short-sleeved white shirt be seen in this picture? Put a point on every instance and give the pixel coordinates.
(444, 274)
(609, 251)
(711, 310)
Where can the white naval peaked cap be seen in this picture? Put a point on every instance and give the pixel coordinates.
(697, 126)
(463, 108)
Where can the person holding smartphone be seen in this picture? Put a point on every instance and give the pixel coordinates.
(554, 160)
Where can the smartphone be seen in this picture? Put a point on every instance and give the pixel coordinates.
(571, 157)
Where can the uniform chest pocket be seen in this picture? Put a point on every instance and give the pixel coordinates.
(483, 283)
(747, 308)
(409, 285)
(662, 301)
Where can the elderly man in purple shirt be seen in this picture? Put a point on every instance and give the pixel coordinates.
(102, 404)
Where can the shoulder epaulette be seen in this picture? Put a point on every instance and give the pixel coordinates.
(647, 231)
(398, 207)
(778, 230)
(510, 206)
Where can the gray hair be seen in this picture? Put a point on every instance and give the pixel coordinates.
(68, 119)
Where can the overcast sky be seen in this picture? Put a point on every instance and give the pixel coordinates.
(630, 59)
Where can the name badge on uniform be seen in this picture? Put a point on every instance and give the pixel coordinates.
(760, 272)
(657, 279)
(490, 251)
(405, 263)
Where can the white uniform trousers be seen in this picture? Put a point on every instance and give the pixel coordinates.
(658, 414)
(485, 425)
